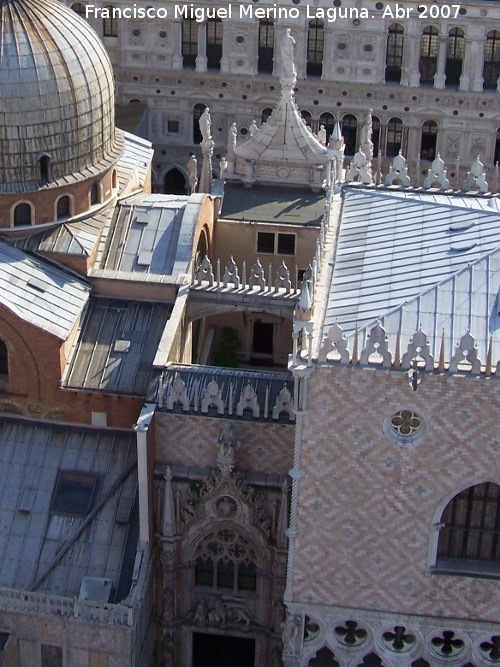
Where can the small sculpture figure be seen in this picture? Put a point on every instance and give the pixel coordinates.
(253, 129)
(192, 170)
(231, 140)
(289, 77)
(218, 613)
(227, 445)
(206, 125)
(222, 167)
(322, 134)
(200, 614)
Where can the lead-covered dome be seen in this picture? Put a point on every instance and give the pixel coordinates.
(56, 97)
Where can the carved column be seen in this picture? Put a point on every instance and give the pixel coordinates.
(201, 58)
(468, 62)
(177, 61)
(440, 77)
(476, 69)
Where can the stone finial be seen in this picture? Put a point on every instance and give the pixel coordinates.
(226, 448)
(336, 139)
(418, 348)
(476, 177)
(398, 174)
(360, 168)
(253, 128)
(303, 309)
(437, 174)
(212, 397)
(283, 278)
(284, 403)
(231, 274)
(192, 170)
(335, 340)
(288, 78)
(376, 343)
(257, 276)
(466, 354)
(248, 401)
(205, 272)
(178, 394)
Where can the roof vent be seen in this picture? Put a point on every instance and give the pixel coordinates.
(37, 284)
(97, 589)
(121, 346)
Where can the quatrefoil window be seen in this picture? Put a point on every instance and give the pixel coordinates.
(406, 423)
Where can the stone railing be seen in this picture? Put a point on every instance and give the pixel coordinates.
(29, 602)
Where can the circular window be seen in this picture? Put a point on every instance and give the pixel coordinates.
(240, 39)
(243, 131)
(163, 34)
(341, 46)
(136, 32)
(405, 427)
(367, 48)
(379, 6)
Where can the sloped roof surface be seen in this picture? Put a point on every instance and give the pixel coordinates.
(415, 261)
(39, 293)
(32, 454)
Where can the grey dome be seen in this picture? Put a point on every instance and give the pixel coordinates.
(56, 96)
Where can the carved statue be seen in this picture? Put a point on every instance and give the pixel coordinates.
(206, 125)
(253, 129)
(322, 134)
(192, 170)
(218, 613)
(366, 137)
(291, 633)
(222, 167)
(227, 446)
(231, 140)
(200, 613)
(289, 77)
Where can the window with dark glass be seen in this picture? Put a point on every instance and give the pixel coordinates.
(429, 47)
(394, 53)
(51, 656)
(173, 126)
(471, 527)
(286, 244)
(266, 47)
(4, 360)
(375, 135)
(22, 215)
(197, 113)
(454, 56)
(204, 572)
(63, 207)
(349, 132)
(110, 23)
(214, 43)
(496, 157)
(44, 169)
(328, 121)
(94, 194)
(189, 42)
(265, 114)
(79, 9)
(74, 492)
(307, 118)
(491, 67)
(394, 137)
(315, 46)
(428, 140)
(265, 242)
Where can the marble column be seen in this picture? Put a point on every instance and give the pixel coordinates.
(440, 77)
(177, 60)
(201, 58)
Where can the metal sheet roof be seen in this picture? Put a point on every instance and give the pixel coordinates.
(274, 205)
(412, 261)
(152, 235)
(136, 159)
(117, 345)
(39, 293)
(32, 454)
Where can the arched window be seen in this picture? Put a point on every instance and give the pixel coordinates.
(114, 179)
(22, 215)
(323, 658)
(94, 194)
(79, 9)
(189, 42)
(375, 135)
(454, 56)
(266, 47)
(174, 182)
(328, 120)
(109, 22)
(44, 162)
(63, 207)
(349, 132)
(198, 110)
(496, 157)
(4, 361)
(315, 44)
(429, 47)
(265, 114)
(394, 53)
(470, 532)
(394, 137)
(371, 660)
(214, 43)
(491, 68)
(429, 140)
(307, 118)
(231, 567)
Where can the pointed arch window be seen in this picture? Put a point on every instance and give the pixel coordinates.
(226, 560)
(429, 47)
(469, 537)
(266, 47)
(315, 46)
(394, 53)
(491, 68)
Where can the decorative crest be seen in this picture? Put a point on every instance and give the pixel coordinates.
(476, 177)
(398, 174)
(376, 344)
(335, 340)
(466, 354)
(437, 174)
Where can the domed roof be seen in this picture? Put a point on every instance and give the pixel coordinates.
(56, 97)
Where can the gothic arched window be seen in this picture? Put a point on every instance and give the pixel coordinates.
(470, 529)
(226, 560)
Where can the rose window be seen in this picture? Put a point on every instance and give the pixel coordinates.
(406, 423)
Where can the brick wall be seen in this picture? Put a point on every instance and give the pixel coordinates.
(367, 505)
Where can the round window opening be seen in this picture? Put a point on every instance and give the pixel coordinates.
(405, 427)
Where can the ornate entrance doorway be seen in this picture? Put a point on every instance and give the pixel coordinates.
(222, 651)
